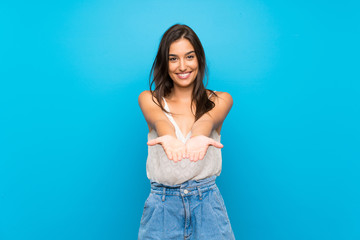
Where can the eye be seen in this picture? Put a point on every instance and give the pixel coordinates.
(190, 56)
(172, 59)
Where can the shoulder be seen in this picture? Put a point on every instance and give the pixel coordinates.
(223, 98)
(145, 100)
(149, 103)
(145, 97)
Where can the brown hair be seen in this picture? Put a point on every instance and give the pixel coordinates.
(160, 75)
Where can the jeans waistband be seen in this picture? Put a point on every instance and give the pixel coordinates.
(190, 187)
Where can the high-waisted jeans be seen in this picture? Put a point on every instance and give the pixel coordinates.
(192, 210)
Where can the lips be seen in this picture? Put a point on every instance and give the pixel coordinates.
(183, 75)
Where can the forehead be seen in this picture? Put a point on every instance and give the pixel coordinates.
(181, 46)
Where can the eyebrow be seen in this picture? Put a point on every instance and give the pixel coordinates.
(185, 53)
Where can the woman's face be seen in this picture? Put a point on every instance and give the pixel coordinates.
(183, 64)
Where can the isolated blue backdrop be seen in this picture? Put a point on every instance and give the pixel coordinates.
(73, 139)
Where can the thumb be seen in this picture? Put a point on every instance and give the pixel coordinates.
(216, 144)
(153, 142)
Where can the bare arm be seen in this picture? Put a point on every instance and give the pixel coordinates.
(154, 116)
(215, 117)
(197, 145)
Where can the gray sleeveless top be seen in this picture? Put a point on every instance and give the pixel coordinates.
(163, 170)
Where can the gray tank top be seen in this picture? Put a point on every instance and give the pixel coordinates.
(163, 170)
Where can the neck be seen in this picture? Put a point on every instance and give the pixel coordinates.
(182, 94)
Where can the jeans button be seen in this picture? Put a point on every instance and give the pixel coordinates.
(186, 191)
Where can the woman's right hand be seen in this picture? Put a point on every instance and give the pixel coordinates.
(173, 147)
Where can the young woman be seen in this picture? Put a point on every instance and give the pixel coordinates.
(184, 149)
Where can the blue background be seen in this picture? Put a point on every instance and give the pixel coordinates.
(73, 138)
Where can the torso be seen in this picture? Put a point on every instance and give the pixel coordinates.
(183, 115)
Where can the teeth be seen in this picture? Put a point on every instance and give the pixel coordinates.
(184, 75)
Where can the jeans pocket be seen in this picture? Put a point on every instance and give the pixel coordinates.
(220, 200)
(146, 206)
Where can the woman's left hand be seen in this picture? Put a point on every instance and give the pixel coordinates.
(197, 146)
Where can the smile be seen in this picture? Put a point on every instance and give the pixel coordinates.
(183, 75)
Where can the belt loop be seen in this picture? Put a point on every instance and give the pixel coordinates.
(163, 197)
(199, 193)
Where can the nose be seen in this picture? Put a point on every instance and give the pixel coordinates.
(182, 66)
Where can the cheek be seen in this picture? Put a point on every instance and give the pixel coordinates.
(195, 69)
(194, 65)
(171, 69)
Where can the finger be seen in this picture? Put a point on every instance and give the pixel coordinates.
(178, 154)
(202, 154)
(187, 154)
(216, 144)
(192, 156)
(174, 156)
(196, 157)
(153, 142)
(168, 153)
(183, 153)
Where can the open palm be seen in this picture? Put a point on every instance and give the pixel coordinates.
(173, 147)
(197, 146)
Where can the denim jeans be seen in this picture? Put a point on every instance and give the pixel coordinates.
(192, 210)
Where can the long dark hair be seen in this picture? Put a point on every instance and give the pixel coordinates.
(160, 75)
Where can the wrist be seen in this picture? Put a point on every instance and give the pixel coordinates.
(195, 135)
(169, 135)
